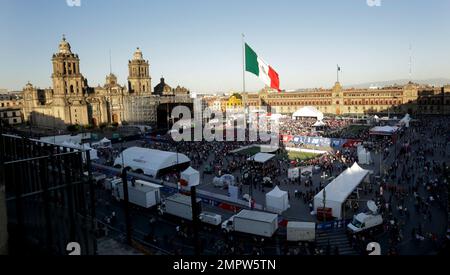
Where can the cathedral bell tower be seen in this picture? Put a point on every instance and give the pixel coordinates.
(139, 81)
(69, 86)
(67, 79)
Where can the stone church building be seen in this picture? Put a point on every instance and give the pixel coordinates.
(71, 101)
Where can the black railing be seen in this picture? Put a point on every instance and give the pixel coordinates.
(49, 198)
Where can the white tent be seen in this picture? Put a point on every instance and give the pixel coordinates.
(276, 117)
(150, 161)
(228, 180)
(319, 123)
(338, 191)
(384, 130)
(364, 156)
(106, 142)
(277, 201)
(261, 157)
(308, 111)
(92, 152)
(405, 121)
(58, 140)
(191, 176)
(294, 173)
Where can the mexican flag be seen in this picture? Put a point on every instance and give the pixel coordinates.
(256, 65)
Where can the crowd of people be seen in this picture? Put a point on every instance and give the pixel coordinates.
(413, 190)
(305, 126)
(409, 189)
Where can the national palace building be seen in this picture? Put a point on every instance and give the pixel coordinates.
(411, 98)
(72, 101)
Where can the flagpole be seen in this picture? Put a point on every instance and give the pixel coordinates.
(337, 73)
(243, 63)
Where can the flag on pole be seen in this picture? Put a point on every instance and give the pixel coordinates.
(256, 65)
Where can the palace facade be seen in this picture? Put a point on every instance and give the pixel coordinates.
(411, 98)
(72, 101)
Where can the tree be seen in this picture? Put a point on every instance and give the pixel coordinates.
(73, 128)
(89, 127)
(103, 126)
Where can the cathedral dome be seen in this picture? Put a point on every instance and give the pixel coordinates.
(138, 54)
(64, 46)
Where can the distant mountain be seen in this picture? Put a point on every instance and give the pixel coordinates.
(431, 81)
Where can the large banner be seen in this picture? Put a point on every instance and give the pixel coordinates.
(315, 141)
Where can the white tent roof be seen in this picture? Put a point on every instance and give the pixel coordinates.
(276, 192)
(276, 116)
(319, 123)
(277, 201)
(308, 111)
(190, 171)
(105, 140)
(85, 147)
(385, 129)
(261, 157)
(405, 120)
(342, 186)
(192, 176)
(150, 161)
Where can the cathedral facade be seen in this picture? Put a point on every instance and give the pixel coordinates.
(72, 101)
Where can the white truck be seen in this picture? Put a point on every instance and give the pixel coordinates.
(144, 196)
(301, 232)
(211, 218)
(252, 222)
(178, 205)
(363, 221)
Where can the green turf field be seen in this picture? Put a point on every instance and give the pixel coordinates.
(301, 155)
(250, 151)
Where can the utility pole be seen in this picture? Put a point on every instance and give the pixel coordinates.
(126, 204)
(195, 219)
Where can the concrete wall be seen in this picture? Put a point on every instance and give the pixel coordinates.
(3, 223)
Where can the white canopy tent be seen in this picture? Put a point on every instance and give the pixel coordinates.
(276, 117)
(191, 176)
(261, 157)
(58, 140)
(85, 147)
(294, 173)
(308, 111)
(338, 191)
(384, 130)
(364, 156)
(405, 121)
(319, 123)
(150, 161)
(277, 201)
(106, 142)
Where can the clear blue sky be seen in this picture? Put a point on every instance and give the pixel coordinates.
(197, 43)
